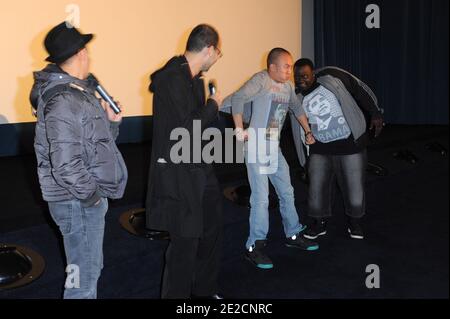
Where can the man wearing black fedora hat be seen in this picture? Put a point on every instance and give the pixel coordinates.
(79, 164)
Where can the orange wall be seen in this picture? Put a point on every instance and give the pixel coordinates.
(135, 37)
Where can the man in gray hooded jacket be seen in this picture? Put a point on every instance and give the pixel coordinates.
(79, 164)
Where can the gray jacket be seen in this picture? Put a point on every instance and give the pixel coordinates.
(352, 113)
(74, 141)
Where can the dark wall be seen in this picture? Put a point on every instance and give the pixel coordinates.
(17, 139)
(405, 61)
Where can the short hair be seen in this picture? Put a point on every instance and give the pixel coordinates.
(202, 36)
(303, 62)
(274, 54)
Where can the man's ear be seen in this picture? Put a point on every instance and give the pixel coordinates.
(81, 53)
(206, 51)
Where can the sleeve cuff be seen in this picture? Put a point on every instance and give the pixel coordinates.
(212, 107)
(115, 124)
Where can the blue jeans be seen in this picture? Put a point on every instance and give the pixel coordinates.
(323, 172)
(83, 230)
(259, 199)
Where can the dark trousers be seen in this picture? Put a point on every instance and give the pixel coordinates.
(192, 264)
(349, 171)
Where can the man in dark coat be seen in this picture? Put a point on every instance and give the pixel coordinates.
(184, 197)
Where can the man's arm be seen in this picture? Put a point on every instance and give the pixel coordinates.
(241, 134)
(178, 98)
(364, 100)
(300, 114)
(246, 93)
(114, 119)
(64, 133)
(362, 97)
(308, 134)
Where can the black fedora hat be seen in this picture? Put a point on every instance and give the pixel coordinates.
(64, 41)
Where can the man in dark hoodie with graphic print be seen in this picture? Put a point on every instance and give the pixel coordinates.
(335, 102)
(79, 164)
(184, 198)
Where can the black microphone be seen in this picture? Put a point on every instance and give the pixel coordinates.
(212, 87)
(104, 94)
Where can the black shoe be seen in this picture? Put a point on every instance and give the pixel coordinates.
(257, 256)
(297, 241)
(354, 229)
(212, 297)
(317, 228)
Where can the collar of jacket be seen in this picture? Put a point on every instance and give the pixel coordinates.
(186, 69)
(81, 85)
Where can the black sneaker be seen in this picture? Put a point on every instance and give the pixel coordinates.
(354, 229)
(317, 228)
(297, 241)
(256, 255)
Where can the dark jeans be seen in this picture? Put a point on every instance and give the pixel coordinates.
(192, 264)
(349, 171)
(82, 230)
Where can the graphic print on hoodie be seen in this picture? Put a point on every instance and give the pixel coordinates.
(325, 115)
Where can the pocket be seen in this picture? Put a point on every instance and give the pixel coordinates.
(99, 205)
(93, 217)
(96, 128)
(101, 129)
(62, 214)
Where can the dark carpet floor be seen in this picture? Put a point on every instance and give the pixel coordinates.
(406, 228)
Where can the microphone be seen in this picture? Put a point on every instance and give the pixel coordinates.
(104, 94)
(212, 87)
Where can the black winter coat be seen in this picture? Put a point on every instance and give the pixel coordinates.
(74, 143)
(174, 195)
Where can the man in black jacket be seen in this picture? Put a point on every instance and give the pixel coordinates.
(335, 102)
(184, 197)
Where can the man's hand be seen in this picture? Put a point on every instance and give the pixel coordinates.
(241, 134)
(377, 124)
(113, 117)
(310, 138)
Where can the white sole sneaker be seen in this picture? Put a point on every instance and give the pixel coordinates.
(354, 236)
(314, 237)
